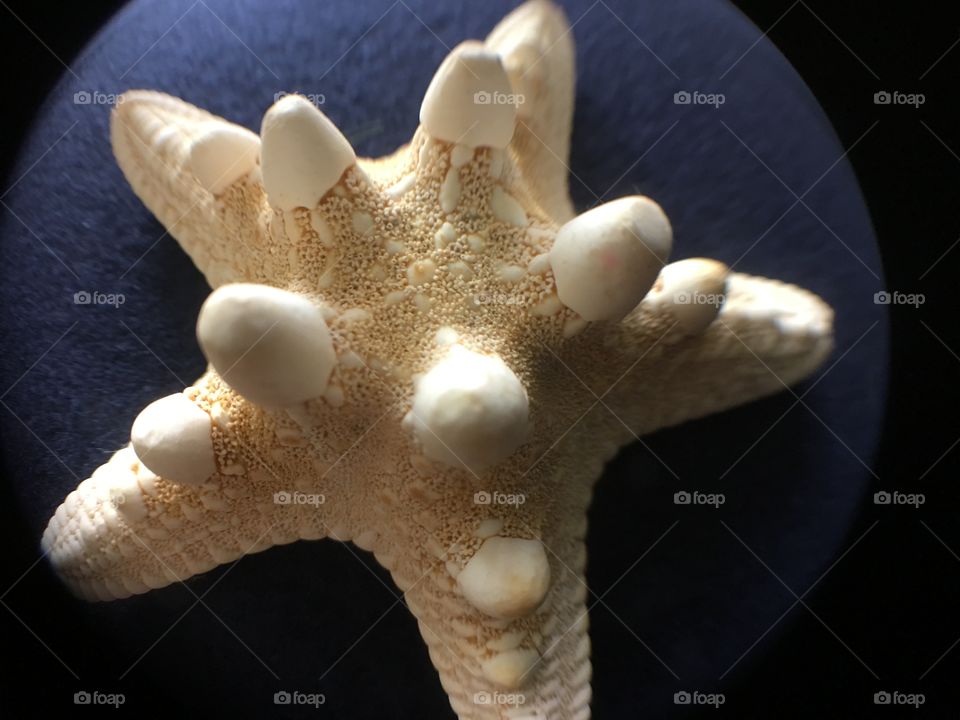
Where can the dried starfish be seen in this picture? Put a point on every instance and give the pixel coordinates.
(409, 353)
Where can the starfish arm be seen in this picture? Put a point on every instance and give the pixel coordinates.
(126, 530)
(536, 46)
(540, 664)
(767, 336)
(501, 647)
(199, 175)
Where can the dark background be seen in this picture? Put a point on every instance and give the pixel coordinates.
(897, 602)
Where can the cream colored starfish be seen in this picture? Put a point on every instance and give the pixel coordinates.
(426, 354)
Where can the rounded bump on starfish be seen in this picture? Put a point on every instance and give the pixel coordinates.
(692, 291)
(172, 437)
(270, 345)
(606, 259)
(469, 101)
(303, 153)
(223, 154)
(508, 578)
(469, 410)
(126, 494)
(510, 669)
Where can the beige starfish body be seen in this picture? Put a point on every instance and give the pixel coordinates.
(427, 354)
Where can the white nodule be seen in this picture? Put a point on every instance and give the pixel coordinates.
(223, 154)
(471, 410)
(507, 578)
(692, 291)
(303, 154)
(605, 260)
(171, 437)
(510, 669)
(271, 346)
(470, 100)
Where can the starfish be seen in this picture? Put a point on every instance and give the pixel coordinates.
(429, 354)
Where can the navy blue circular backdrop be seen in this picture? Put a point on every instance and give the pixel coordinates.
(760, 181)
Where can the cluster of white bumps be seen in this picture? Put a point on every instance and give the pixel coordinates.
(470, 410)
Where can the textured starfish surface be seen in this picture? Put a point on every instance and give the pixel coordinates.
(427, 354)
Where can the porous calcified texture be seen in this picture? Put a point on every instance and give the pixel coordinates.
(438, 245)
